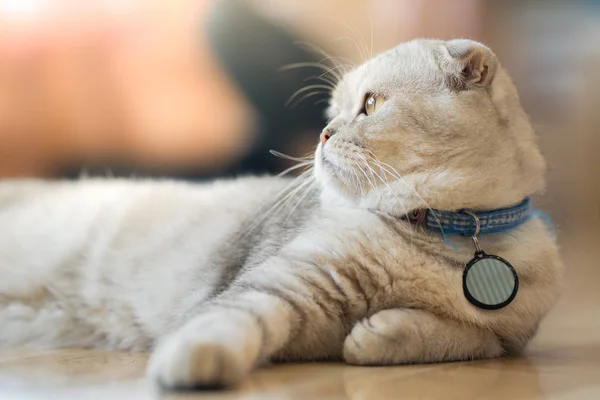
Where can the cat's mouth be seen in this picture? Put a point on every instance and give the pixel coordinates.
(329, 165)
(334, 167)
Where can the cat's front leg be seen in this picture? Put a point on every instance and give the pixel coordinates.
(221, 344)
(294, 306)
(406, 336)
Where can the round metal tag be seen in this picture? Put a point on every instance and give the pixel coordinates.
(490, 282)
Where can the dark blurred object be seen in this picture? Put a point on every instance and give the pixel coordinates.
(253, 51)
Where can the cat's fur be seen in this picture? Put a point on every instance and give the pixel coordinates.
(222, 285)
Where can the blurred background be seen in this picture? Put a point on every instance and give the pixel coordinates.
(195, 89)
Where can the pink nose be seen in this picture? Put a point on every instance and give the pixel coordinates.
(325, 135)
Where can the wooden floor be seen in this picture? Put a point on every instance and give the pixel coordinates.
(563, 362)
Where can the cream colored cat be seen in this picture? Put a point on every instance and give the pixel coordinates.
(227, 276)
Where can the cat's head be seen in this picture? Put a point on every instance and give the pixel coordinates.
(428, 123)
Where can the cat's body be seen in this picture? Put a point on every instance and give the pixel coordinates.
(117, 263)
(228, 275)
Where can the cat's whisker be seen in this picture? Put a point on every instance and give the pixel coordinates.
(336, 68)
(301, 198)
(333, 58)
(372, 184)
(371, 171)
(304, 177)
(308, 64)
(342, 67)
(308, 157)
(358, 47)
(308, 95)
(360, 39)
(384, 181)
(328, 69)
(358, 182)
(302, 186)
(325, 68)
(312, 47)
(305, 89)
(351, 30)
(267, 215)
(404, 209)
(329, 88)
(293, 168)
(374, 173)
(356, 177)
(400, 179)
(321, 101)
(282, 197)
(396, 174)
(376, 162)
(366, 163)
(327, 56)
(324, 79)
(371, 31)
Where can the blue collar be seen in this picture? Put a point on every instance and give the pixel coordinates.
(463, 223)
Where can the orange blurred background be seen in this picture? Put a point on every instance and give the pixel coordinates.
(137, 83)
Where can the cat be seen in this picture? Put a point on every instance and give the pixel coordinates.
(220, 278)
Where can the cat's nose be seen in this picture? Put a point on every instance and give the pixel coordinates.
(325, 135)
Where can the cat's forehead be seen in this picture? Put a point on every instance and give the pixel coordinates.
(411, 66)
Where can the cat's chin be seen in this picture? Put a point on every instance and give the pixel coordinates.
(332, 196)
(335, 189)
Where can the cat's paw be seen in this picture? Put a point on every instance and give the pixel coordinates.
(387, 337)
(186, 362)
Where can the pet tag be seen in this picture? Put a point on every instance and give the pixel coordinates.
(489, 281)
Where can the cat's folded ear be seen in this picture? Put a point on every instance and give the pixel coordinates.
(467, 63)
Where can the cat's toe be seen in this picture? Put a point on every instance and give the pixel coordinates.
(388, 337)
(362, 346)
(189, 364)
(353, 351)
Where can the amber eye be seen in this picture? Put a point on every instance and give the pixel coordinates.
(373, 103)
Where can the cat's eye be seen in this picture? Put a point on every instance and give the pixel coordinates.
(373, 103)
